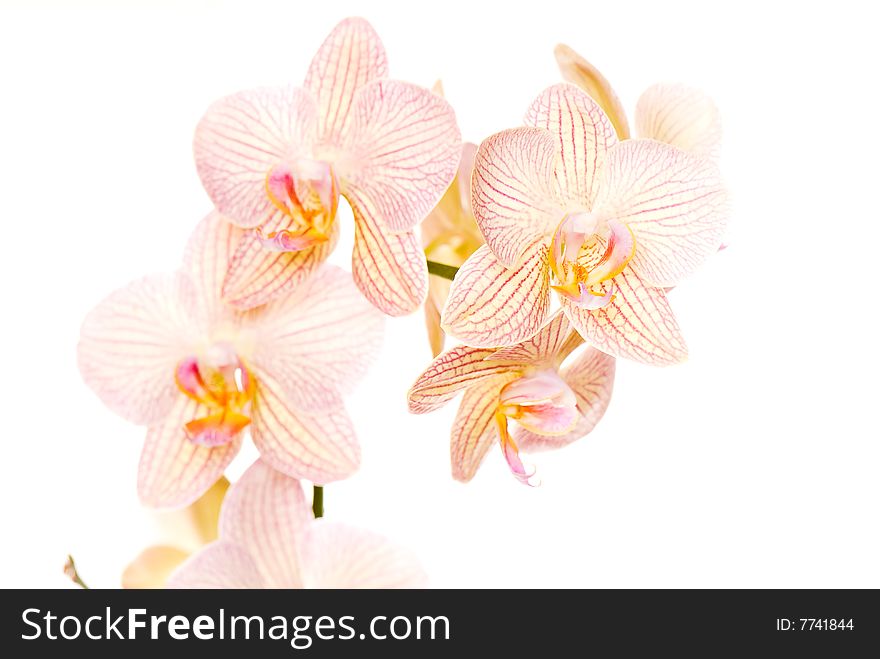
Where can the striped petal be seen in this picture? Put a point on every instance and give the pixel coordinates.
(219, 565)
(578, 71)
(403, 152)
(475, 430)
(674, 203)
(266, 514)
(680, 116)
(637, 324)
(451, 372)
(513, 196)
(340, 556)
(257, 275)
(206, 260)
(583, 134)
(130, 345)
(389, 268)
(243, 136)
(351, 56)
(552, 344)
(173, 471)
(491, 305)
(318, 341)
(591, 377)
(318, 447)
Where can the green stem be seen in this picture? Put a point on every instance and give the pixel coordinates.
(318, 501)
(442, 270)
(70, 571)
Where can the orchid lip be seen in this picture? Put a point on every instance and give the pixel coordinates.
(220, 381)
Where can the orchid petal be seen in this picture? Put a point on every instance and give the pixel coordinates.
(152, 567)
(591, 378)
(318, 341)
(173, 471)
(436, 335)
(583, 134)
(515, 463)
(402, 153)
(266, 514)
(318, 447)
(206, 260)
(131, 342)
(474, 430)
(513, 195)
(340, 556)
(679, 116)
(637, 324)
(674, 203)
(257, 275)
(578, 71)
(219, 565)
(351, 56)
(243, 136)
(491, 305)
(553, 343)
(451, 372)
(389, 268)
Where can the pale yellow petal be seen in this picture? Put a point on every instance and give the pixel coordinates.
(152, 567)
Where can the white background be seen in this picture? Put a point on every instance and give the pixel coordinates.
(754, 464)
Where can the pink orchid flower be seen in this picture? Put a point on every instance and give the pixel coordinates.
(607, 225)
(165, 352)
(268, 539)
(552, 404)
(450, 235)
(275, 160)
(672, 113)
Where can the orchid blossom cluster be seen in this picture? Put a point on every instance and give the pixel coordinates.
(252, 335)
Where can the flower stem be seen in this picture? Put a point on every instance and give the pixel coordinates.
(73, 575)
(318, 501)
(442, 270)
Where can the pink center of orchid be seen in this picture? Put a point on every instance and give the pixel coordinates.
(586, 254)
(220, 381)
(540, 402)
(307, 193)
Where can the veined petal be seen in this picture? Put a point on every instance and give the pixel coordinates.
(583, 134)
(436, 335)
(241, 137)
(351, 56)
(266, 514)
(389, 268)
(553, 343)
(131, 342)
(173, 471)
(340, 556)
(578, 71)
(219, 565)
(637, 324)
(402, 153)
(206, 260)
(318, 447)
(451, 372)
(491, 305)
(152, 567)
(257, 275)
(318, 341)
(674, 203)
(513, 195)
(680, 116)
(475, 430)
(591, 378)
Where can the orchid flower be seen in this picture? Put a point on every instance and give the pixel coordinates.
(190, 529)
(606, 225)
(552, 404)
(165, 352)
(449, 235)
(275, 161)
(670, 113)
(268, 539)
